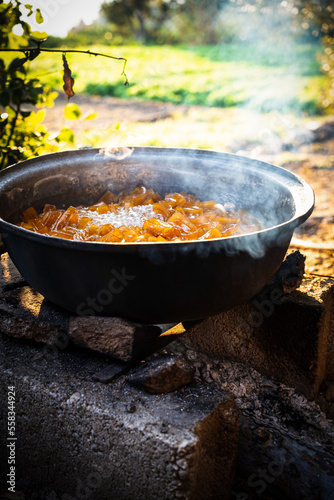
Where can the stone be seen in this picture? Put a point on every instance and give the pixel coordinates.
(116, 337)
(288, 278)
(163, 374)
(109, 373)
(10, 277)
(25, 314)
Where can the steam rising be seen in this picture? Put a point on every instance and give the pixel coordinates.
(116, 153)
(265, 191)
(269, 25)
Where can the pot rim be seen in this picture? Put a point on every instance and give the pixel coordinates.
(301, 191)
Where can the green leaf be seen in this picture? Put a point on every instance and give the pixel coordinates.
(11, 112)
(39, 17)
(39, 35)
(72, 111)
(35, 91)
(17, 63)
(36, 118)
(3, 123)
(26, 29)
(47, 98)
(91, 116)
(4, 98)
(30, 8)
(65, 135)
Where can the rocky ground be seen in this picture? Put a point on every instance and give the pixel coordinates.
(306, 149)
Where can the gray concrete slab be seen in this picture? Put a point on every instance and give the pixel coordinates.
(80, 439)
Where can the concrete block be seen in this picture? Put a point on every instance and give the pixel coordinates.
(289, 337)
(286, 443)
(80, 439)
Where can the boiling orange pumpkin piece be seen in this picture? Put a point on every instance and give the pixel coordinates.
(49, 208)
(105, 229)
(158, 227)
(212, 233)
(178, 217)
(61, 234)
(108, 197)
(30, 213)
(94, 229)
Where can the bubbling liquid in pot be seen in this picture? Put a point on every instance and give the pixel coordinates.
(141, 216)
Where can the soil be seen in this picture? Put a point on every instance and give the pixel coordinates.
(304, 150)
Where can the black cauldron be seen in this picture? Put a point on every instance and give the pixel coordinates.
(151, 282)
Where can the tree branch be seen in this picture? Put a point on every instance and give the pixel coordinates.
(27, 50)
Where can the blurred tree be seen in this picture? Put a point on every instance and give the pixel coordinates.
(313, 16)
(146, 20)
(203, 19)
(313, 19)
(317, 16)
(138, 18)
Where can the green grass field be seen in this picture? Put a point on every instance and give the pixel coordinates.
(260, 77)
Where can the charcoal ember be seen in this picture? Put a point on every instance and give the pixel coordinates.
(163, 374)
(115, 337)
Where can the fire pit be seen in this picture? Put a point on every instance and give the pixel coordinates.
(101, 424)
(152, 282)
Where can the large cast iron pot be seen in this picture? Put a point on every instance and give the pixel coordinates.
(151, 282)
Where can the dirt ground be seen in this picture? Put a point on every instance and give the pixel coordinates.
(306, 151)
